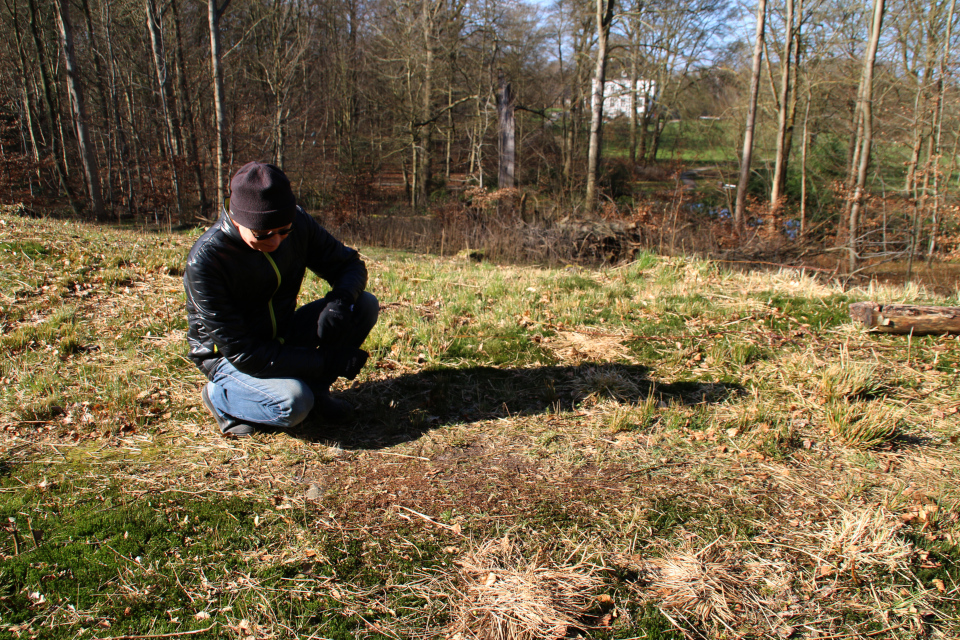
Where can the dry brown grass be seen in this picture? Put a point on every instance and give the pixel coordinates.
(588, 345)
(763, 587)
(505, 593)
(721, 586)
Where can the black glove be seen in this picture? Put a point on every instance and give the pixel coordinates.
(334, 320)
(345, 363)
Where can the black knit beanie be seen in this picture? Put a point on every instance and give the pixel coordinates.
(261, 197)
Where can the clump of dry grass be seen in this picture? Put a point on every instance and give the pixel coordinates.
(505, 595)
(605, 382)
(720, 586)
(574, 346)
(726, 587)
(864, 542)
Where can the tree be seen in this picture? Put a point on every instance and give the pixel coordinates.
(571, 31)
(91, 171)
(508, 134)
(785, 113)
(47, 92)
(866, 139)
(184, 102)
(672, 57)
(281, 39)
(938, 148)
(604, 17)
(746, 157)
(215, 11)
(172, 128)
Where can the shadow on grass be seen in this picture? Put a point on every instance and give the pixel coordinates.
(405, 407)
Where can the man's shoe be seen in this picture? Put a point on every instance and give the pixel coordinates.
(333, 410)
(228, 424)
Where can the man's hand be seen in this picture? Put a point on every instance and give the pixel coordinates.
(334, 320)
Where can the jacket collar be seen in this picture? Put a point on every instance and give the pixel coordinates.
(226, 225)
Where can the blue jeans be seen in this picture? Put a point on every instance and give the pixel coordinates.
(286, 402)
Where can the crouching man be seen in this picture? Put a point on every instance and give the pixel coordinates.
(269, 363)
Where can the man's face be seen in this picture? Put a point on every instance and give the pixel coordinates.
(266, 240)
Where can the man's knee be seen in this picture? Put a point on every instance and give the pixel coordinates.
(293, 403)
(366, 310)
(277, 402)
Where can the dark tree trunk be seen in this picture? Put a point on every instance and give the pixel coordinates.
(171, 123)
(88, 159)
(508, 134)
(49, 105)
(214, 13)
(189, 124)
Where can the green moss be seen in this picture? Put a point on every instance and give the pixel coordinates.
(124, 559)
(28, 248)
(937, 560)
(817, 313)
(576, 283)
(644, 621)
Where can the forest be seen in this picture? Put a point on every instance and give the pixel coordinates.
(787, 127)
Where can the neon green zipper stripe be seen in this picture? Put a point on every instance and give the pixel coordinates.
(273, 318)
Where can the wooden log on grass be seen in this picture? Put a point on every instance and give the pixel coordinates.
(906, 318)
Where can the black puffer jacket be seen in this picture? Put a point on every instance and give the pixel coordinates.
(240, 301)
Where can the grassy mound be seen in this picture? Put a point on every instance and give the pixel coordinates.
(663, 449)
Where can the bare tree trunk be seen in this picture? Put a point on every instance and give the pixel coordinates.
(853, 161)
(573, 116)
(450, 128)
(634, 91)
(414, 184)
(102, 94)
(938, 149)
(780, 168)
(214, 14)
(123, 148)
(867, 111)
(279, 130)
(642, 130)
(91, 172)
(172, 133)
(909, 182)
(803, 168)
(163, 84)
(184, 101)
(594, 153)
(24, 74)
(508, 134)
(426, 113)
(49, 105)
(738, 213)
(134, 150)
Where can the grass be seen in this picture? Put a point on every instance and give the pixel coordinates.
(619, 447)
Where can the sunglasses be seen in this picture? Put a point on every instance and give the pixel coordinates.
(266, 234)
(269, 234)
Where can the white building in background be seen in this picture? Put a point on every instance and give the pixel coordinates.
(618, 99)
